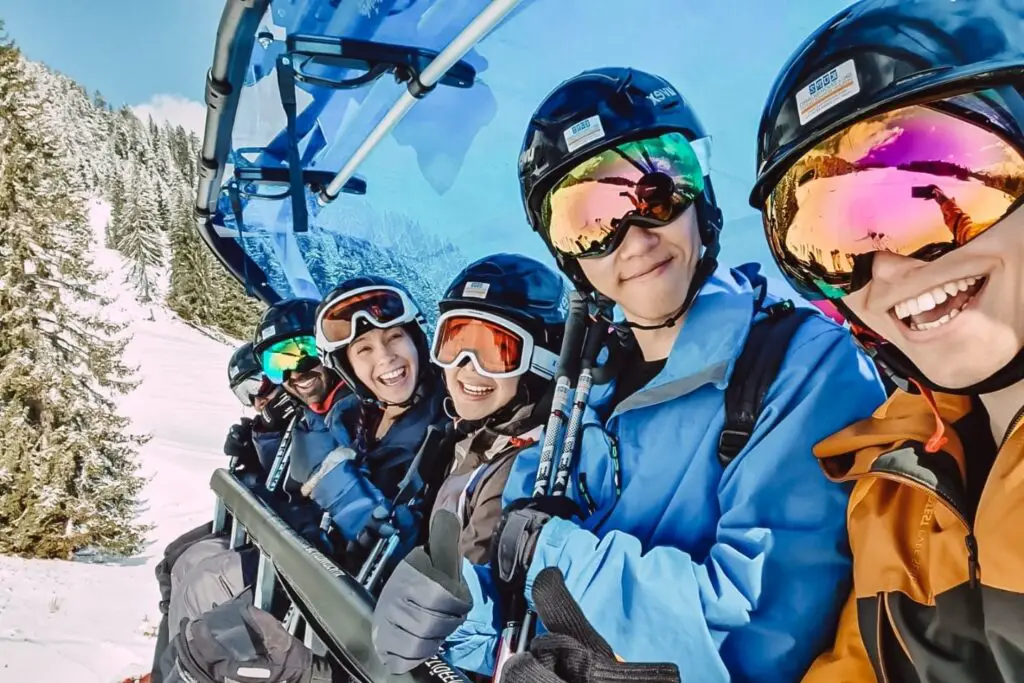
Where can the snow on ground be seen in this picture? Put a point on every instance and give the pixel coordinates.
(95, 623)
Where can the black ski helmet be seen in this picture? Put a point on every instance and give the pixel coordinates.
(417, 329)
(243, 365)
(901, 52)
(284, 320)
(631, 105)
(515, 287)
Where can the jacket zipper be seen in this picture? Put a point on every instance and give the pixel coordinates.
(878, 639)
(1014, 423)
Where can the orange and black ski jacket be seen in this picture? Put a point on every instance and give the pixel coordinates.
(938, 547)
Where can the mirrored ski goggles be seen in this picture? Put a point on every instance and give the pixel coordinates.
(496, 347)
(918, 181)
(251, 388)
(297, 354)
(382, 307)
(648, 183)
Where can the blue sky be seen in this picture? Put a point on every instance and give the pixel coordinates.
(130, 50)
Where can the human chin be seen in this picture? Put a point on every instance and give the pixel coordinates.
(396, 384)
(656, 294)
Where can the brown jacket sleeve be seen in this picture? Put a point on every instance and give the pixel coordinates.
(847, 661)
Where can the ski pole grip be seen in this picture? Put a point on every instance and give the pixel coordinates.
(596, 335)
(572, 342)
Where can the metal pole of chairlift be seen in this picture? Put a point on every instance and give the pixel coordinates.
(456, 50)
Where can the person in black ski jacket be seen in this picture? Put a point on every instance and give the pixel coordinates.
(201, 570)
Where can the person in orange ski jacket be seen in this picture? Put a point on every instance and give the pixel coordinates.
(920, 101)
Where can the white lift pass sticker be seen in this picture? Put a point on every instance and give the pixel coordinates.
(579, 134)
(826, 91)
(476, 290)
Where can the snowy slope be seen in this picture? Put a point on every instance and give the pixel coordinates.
(94, 623)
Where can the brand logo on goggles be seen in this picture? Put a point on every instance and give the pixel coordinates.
(662, 94)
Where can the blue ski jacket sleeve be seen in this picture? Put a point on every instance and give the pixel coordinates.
(350, 486)
(763, 599)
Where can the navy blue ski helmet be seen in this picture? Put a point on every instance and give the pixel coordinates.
(902, 51)
(517, 287)
(243, 365)
(284, 320)
(626, 104)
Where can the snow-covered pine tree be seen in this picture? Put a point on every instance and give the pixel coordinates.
(68, 475)
(138, 234)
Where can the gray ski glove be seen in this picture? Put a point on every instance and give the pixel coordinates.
(424, 601)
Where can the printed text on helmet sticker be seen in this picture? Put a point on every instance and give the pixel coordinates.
(826, 91)
(583, 132)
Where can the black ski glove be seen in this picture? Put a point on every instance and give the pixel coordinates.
(572, 651)
(515, 539)
(238, 444)
(278, 413)
(424, 601)
(240, 643)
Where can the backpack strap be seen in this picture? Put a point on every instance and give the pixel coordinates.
(754, 372)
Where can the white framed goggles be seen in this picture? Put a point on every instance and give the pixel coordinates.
(496, 346)
(379, 305)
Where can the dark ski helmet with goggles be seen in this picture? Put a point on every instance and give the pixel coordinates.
(359, 305)
(245, 376)
(506, 315)
(858, 119)
(638, 124)
(285, 340)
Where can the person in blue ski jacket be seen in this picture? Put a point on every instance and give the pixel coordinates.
(371, 333)
(736, 567)
(497, 340)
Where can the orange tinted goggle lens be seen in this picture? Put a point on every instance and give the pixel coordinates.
(496, 349)
(383, 306)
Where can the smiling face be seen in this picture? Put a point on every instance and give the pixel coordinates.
(386, 362)
(959, 318)
(309, 387)
(476, 396)
(650, 272)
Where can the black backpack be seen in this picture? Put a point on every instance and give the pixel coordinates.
(758, 365)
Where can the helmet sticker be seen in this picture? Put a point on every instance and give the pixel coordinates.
(826, 91)
(267, 331)
(476, 290)
(583, 132)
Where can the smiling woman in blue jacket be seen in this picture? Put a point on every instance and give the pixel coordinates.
(733, 568)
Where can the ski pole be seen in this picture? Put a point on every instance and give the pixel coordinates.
(572, 342)
(597, 332)
(410, 486)
(283, 456)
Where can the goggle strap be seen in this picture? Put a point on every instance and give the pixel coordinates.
(544, 362)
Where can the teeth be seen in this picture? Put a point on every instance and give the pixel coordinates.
(392, 375)
(929, 300)
(476, 390)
